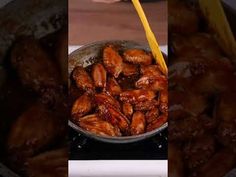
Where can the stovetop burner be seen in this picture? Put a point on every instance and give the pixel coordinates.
(83, 148)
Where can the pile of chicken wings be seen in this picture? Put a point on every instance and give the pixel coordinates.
(123, 94)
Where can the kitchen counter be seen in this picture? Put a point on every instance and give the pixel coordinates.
(90, 21)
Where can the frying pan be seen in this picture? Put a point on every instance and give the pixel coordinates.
(89, 54)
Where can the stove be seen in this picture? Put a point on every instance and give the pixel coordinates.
(84, 148)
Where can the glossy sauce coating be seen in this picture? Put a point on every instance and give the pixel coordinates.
(122, 95)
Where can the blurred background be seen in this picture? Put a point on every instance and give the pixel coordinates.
(91, 21)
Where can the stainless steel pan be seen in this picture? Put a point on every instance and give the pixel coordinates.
(86, 56)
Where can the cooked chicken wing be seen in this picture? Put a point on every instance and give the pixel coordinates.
(94, 124)
(152, 115)
(164, 100)
(115, 117)
(157, 122)
(81, 106)
(129, 69)
(99, 75)
(112, 61)
(150, 70)
(146, 105)
(127, 109)
(155, 83)
(137, 56)
(82, 79)
(135, 96)
(113, 88)
(138, 123)
(103, 98)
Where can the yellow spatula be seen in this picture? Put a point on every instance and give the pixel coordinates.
(214, 12)
(151, 37)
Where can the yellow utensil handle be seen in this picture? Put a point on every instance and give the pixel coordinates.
(214, 12)
(150, 37)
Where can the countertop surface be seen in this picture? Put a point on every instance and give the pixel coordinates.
(90, 21)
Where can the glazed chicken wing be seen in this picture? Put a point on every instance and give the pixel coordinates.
(99, 75)
(152, 115)
(81, 106)
(106, 99)
(163, 101)
(127, 109)
(150, 70)
(82, 79)
(156, 123)
(155, 83)
(138, 123)
(129, 69)
(112, 61)
(113, 88)
(137, 56)
(115, 117)
(135, 96)
(146, 105)
(98, 126)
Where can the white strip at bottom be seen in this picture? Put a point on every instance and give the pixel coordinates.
(118, 168)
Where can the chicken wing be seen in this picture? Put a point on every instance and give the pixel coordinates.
(127, 109)
(106, 99)
(99, 75)
(157, 122)
(115, 117)
(112, 61)
(146, 105)
(155, 83)
(138, 124)
(137, 56)
(135, 96)
(129, 69)
(163, 101)
(151, 70)
(82, 79)
(94, 124)
(152, 115)
(113, 88)
(81, 106)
